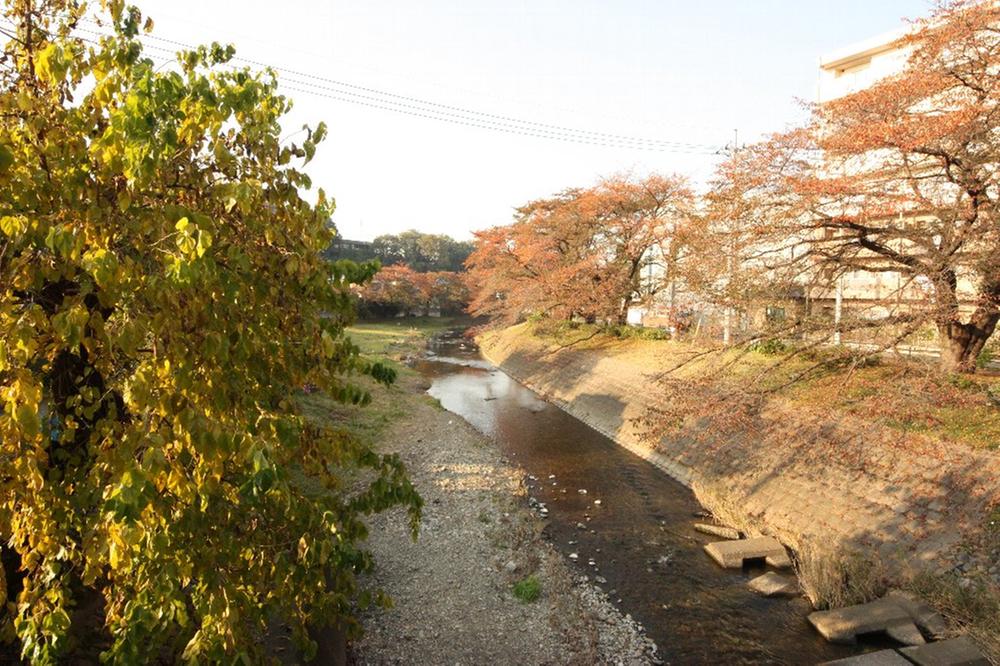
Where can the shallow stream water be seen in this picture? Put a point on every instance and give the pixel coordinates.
(632, 529)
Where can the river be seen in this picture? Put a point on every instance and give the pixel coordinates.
(631, 531)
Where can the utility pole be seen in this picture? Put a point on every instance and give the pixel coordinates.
(727, 314)
(837, 309)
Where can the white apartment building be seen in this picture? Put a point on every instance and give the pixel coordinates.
(841, 73)
(858, 66)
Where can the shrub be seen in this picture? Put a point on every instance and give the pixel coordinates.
(769, 347)
(528, 589)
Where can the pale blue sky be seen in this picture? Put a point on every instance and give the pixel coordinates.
(677, 71)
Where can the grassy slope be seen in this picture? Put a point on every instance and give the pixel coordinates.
(906, 395)
(391, 340)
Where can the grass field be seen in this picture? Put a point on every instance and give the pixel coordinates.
(395, 338)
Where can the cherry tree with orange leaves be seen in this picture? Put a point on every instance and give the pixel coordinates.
(581, 253)
(898, 179)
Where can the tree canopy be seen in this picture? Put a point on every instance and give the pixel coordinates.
(397, 290)
(584, 252)
(162, 297)
(422, 252)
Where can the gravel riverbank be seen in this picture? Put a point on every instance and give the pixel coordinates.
(453, 588)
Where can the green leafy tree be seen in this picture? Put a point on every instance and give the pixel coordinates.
(161, 296)
(422, 252)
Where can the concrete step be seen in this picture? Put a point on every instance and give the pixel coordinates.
(960, 651)
(880, 658)
(925, 617)
(782, 561)
(844, 625)
(731, 554)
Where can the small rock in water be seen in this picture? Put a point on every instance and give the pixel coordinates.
(774, 584)
(597, 502)
(717, 530)
(601, 579)
(582, 491)
(581, 526)
(552, 476)
(574, 556)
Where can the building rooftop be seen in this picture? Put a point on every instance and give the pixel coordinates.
(864, 49)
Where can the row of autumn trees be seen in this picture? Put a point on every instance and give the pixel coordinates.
(420, 273)
(898, 179)
(398, 290)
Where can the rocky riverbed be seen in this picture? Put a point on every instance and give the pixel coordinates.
(453, 588)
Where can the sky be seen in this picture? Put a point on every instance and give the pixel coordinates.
(663, 71)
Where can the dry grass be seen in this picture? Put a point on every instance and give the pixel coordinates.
(833, 578)
(725, 508)
(905, 395)
(971, 608)
(829, 576)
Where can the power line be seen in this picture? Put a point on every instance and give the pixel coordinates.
(501, 128)
(382, 93)
(456, 119)
(451, 114)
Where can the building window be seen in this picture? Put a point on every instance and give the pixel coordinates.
(775, 314)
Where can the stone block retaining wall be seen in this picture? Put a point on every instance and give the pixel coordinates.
(823, 480)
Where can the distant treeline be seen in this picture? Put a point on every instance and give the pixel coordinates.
(422, 252)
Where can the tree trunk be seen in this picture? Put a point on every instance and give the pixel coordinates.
(962, 343)
(622, 318)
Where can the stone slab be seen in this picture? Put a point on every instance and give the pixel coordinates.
(906, 633)
(730, 554)
(717, 530)
(774, 584)
(779, 561)
(925, 617)
(960, 651)
(880, 658)
(843, 625)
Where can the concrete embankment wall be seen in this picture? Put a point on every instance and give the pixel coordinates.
(811, 480)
